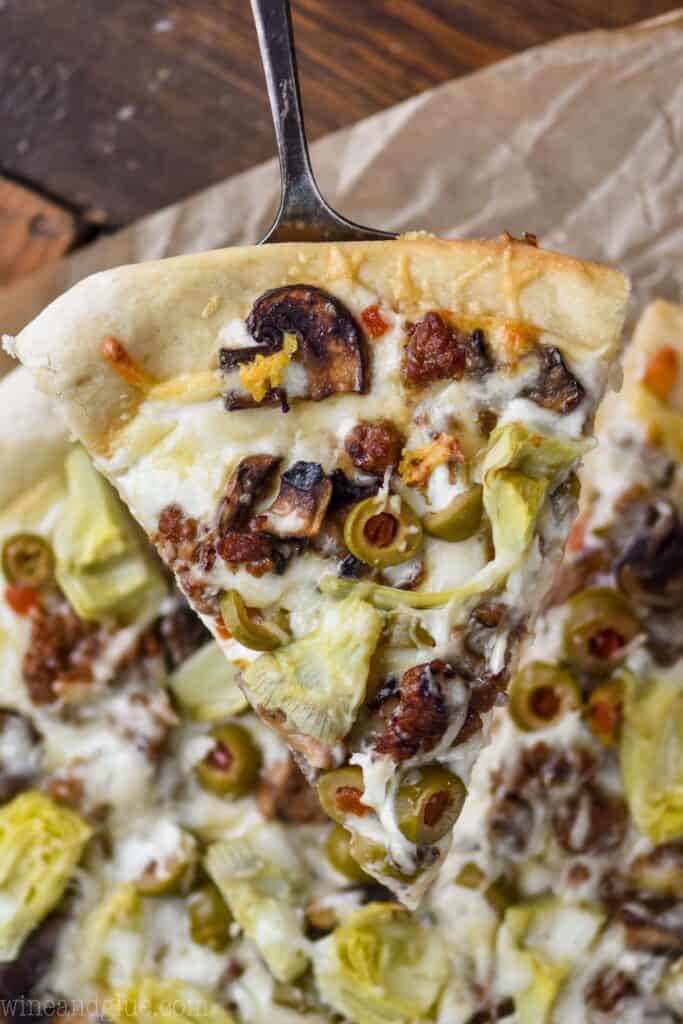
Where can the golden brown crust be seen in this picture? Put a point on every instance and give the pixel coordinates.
(169, 313)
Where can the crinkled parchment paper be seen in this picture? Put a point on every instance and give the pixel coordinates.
(579, 141)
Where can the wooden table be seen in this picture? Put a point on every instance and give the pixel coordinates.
(110, 109)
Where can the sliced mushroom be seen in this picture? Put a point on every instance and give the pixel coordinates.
(330, 346)
(654, 925)
(247, 483)
(555, 388)
(300, 507)
(650, 570)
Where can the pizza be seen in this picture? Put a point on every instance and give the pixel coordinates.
(359, 462)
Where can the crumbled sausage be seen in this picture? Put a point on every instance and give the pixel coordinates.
(61, 650)
(555, 388)
(510, 824)
(607, 991)
(285, 795)
(374, 447)
(590, 820)
(252, 550)
(420, 716)
(184, 546)
(436, 351)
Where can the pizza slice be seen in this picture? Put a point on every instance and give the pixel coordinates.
(358, 460)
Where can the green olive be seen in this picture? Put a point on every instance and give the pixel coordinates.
(459, 519)
(501, 894)
(341, 791)
(429, 804)
(172, 878)
(470, 876)
(372, 855)
(338, 850)
(257, 636)
(27, 560)
(210, 918)
(540, 695)
(232, 766)
(600, 624)
(603, 710)
(382, 533)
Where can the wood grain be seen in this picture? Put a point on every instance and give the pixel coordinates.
(33, 232)
(126, 106)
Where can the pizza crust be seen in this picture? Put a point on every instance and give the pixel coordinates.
(169, 313)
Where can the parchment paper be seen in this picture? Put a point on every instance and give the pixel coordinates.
(579, 141)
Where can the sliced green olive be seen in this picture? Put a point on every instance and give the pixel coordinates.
(232, 766)
(600, 624)
(338, 850)
(170, 879)
(257, 636)
(27, 560)
(501, 894)
(210, 918)
(375, 858)
(341, 793)
(459, 519)
(429, 804)
(541, 695)
(470, 876)
(382, 533)
(603, 711)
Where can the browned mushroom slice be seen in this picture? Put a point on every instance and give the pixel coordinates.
(330, 346)
(300, 507)
(247, 483)
(555, 388)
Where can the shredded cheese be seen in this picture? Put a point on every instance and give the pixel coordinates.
(418, 464)
(265, 372)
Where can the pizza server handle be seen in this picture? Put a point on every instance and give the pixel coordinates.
(303, 214)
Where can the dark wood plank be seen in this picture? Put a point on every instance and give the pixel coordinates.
(128, 105)
(33, 231)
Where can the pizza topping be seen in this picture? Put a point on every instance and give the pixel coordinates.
(117, 356)
(61, 651)
(246, 485)
(382, 532)
(428, 804)
(599, 625)
(232, 765)
(27, 560)
(318, 682)
(650, 570)
(459, 519)
(256, 553)
(300, 507)
(285, 795)
(436, 351)
(338, 850)
(181, 633)
(661, 372)
(311, 327)
(590, 819)
(373, 322)
(510, 826)
(341, 793)
(22, 599)
(348, 492)
(603, 710)
(209, 918)
(418, 464)
(555, 387)
(257, 635)
(103, 565)
(420, 717)
(374, 447)
(540, 695)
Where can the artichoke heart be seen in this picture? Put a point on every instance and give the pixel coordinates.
(381, 966)
(651, 753)
(318, 682)
(263, 881)
(40, 846)
(117, 915)
(205, 686)
(537, 945)
(164, 1001)
(103, 566)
